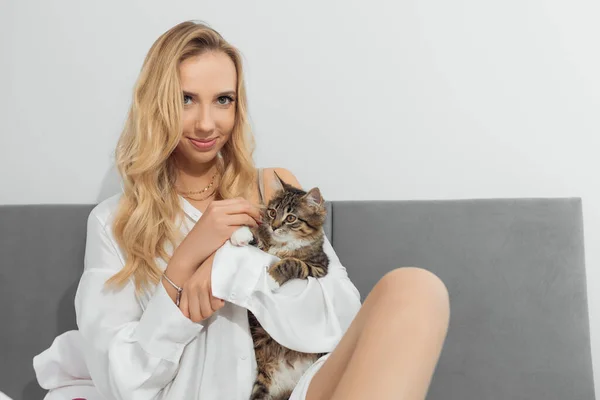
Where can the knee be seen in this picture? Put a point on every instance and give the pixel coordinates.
(415, 286)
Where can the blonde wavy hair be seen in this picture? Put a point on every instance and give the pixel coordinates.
(145, 222)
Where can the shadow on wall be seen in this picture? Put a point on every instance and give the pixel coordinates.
(111, 184)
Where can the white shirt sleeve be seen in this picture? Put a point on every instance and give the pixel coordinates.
(132, 353)
(308, 315)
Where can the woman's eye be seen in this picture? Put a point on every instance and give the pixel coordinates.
(225, 100)
(290, 218)
(187, 100)
(272, 213)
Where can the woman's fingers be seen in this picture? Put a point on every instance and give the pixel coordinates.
(196, 314)
(205, 304)
(184, 304)
(215, 303)
(197, 302)
(238, 201)
(199, 306)
(244, 207)
(241, 220)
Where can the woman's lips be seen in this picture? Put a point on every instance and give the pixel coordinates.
(203, 144)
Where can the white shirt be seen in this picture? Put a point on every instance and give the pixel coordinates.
(143, 347)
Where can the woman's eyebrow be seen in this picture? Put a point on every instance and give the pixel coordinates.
(195, 95)
(227, 93)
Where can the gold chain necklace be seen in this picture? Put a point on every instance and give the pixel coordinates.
(192, 192)
(187, 196)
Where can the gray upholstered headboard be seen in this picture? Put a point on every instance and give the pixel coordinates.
(514, 269)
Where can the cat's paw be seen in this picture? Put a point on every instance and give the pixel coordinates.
(286, 269)
(276, 273)
(242, 236)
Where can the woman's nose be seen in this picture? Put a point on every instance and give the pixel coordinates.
(204, 120)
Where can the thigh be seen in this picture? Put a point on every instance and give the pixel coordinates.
(327, 377)
(408, 285)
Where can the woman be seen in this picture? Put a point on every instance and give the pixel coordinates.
(162, 302)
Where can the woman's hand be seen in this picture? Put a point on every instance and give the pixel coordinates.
(197, 302)
(214, 228)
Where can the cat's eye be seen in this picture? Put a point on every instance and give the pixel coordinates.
(290, 218)
(272, 213)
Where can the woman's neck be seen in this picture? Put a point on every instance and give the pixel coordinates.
(195, 177)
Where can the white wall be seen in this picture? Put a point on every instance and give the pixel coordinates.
(436, 99)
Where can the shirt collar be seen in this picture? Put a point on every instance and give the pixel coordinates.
(189, 210)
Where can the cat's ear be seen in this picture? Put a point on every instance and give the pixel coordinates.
(314, 197)
(278, 183)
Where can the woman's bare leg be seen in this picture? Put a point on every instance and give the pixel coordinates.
(392, 347)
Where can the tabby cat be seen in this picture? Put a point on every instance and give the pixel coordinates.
(291, 230)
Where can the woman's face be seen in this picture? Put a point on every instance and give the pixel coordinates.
(209, 83)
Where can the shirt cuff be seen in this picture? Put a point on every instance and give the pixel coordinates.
(163, 330)
(236, 272)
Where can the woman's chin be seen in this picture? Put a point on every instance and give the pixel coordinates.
(201, 157)
(205, 158)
